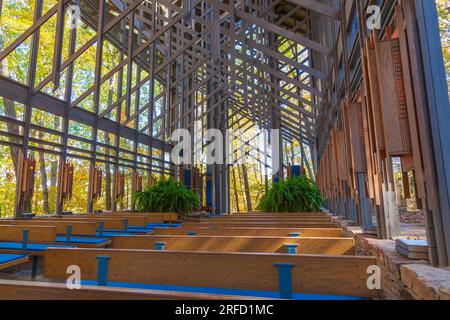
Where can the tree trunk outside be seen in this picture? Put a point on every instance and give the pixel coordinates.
(246, 188)
(236, 197)
(44, 178)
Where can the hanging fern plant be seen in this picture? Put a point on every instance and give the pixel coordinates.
(166, 196)
(298, 194)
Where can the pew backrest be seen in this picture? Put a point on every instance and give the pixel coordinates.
(279, 214)
(262, 224)
(108, 223)
(153, 216)
(14, 233)
(330, 246)
(268, 220)
(77, 227)
(133, 220)
(230, 231)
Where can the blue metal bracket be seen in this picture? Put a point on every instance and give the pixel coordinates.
(291, 248)
(101, 226)
(160, 245)
(285, 279)
(68, 233)
(24, 241)
(102, 270)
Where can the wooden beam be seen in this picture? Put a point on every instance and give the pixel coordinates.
(318, 7)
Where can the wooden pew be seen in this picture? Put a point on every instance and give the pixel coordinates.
(279, 214)
(166, 216)
(147, 218)
(11, 260)
(330, 246)
(78, 227)
(42, 234)
(270, 232)
(26, 240)
(133, 220)
(34, 290)
(316, 274)
(261, 224)
(270, 216)
(272, 220)
(108, 223)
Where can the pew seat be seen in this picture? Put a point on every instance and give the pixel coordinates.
(8, 260)
(32, 248)
(83, 241)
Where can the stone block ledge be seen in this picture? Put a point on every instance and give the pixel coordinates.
(401, 278)
(425, 282)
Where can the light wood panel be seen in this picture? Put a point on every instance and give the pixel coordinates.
(321, 274)
(261, 224)
(284, 219)
(108, 223)
(334, 246)
(133, 220)
(279, 214)
(166, 216)
(275, 232)
(35, 233)
(33, 290)
(40, 234)
(82, 228)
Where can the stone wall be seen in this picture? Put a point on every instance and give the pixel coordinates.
(401, 278)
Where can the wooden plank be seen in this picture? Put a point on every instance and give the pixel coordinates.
(40, 234)
(357, 143)
(108, 223)
(273, 215)
(393, 98)
(275, 232)
(321, 219)
(167, 216)
(331, 246)
(262, 224)
(84, 228)
(35, 233)
(318, 7)
(133, 220)
(281, 31)
(33, 290)
(317, 274)
(282, 214)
